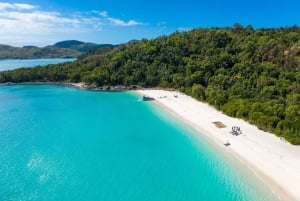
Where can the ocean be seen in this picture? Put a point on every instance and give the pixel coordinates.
(63, 143)
(10, 64)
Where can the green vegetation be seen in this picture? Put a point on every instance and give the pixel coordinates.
(63, 49)
(79, 46)
(246, 73)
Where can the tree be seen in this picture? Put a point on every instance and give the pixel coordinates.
(198, 91)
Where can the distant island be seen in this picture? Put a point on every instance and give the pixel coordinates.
(63, 49)
(252, 74)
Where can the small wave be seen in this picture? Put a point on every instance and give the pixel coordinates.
(44, 169)
(35, 162)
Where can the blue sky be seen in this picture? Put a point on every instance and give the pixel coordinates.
(43, 22)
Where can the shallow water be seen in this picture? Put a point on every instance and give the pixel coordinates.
(10, 64)
(60, 143)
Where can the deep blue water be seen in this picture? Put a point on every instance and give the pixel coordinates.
(10, 64)
(60, 143)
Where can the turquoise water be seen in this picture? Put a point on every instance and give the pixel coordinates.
(60, 143)
(10, 64)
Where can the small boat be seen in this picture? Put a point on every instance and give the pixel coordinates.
(227, 143)
(147, 98)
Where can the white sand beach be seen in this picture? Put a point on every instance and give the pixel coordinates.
(273, 159)
(80, 85)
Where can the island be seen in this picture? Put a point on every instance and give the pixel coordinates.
(246, 73)
(245, 78)
(63, 49)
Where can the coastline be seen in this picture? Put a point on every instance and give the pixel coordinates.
(273, 160)
(80, 85)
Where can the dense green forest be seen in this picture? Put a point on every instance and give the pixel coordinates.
(63, 49)
(253, 74)
(79, 45)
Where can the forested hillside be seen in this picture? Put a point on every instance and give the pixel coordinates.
(63, 49)
(246, 73)
(32, 52)
(79, 46)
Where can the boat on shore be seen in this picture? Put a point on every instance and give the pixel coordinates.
(147, 98)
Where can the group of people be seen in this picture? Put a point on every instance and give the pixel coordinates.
(236, 131)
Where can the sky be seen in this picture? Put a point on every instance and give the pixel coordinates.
(45, 22)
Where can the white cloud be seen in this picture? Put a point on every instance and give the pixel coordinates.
(30, 19)
(103, 13)
(21, 6)
(16, 6)
(118, 22)
(115, 21)
(23, 21)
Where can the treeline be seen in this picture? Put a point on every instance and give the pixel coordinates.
(246, 73)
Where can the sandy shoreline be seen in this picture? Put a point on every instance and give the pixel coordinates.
(80, 85)
(274, 160)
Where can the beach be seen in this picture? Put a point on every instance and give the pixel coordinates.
(272, 159)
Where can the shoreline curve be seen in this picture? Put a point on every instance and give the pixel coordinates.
(273, 160)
